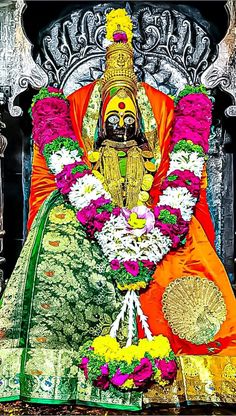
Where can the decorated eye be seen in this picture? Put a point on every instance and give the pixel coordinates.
(113, 119)
(129, 120)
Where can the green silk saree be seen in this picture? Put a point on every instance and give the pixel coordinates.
(59, 296)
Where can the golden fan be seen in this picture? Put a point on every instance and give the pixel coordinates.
(194, 308)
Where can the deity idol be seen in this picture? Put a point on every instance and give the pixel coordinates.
(118, 279)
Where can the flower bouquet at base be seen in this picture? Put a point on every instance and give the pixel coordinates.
(104, 363)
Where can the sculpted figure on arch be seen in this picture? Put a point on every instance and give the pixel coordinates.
(119, 274)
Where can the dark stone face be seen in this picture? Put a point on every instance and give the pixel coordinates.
(120, 129)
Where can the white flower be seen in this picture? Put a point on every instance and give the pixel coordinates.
(62, 157)
(117, 243)
(85, 190)
(179, 198)
(186, 161)
(106, 43)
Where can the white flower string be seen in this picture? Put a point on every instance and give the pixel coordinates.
(143, 318)
(120, 317)
(131, 319)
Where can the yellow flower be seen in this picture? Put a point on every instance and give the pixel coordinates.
(136, 222)
(157, 375)
(133, 352)
(128, 353)
(163, 383)
(132, 286)
(128, 384)
(93, 156)
(118, 19)
(158, 347)
(111, 355)
(105, 344)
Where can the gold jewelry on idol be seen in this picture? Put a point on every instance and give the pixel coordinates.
(119, 72)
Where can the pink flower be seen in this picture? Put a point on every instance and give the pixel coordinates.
(176, 230)
(53, 89)
(51, 119)
(65, 179)
(92, 219)
(50, 106)
(115, 264)
(142, 372)
(116, 211)
(120, 37)
(168, 368)
(118, 379)
(104, 370)
(142, 213)
(148, 264)
(84, 366)
(193, 120)
(103, 216)
(185, 179)
(102, 382)
(131, 267)
(100, 202)
(86, 214)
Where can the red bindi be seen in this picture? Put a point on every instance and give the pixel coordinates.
(121, 105)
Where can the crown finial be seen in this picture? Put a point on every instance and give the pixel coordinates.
(119, 72)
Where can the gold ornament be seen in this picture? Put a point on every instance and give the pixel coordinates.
(134, 176)
(93, 156)
(143, 196)
(111, 172)
(119, 72)
(151, 167)
(147, 182)
(194, 308)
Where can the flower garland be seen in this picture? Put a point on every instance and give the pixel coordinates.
(128, 238)
(134, 241)
(105, 363)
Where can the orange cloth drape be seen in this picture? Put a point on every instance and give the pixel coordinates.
(42, 181)
(197, 257)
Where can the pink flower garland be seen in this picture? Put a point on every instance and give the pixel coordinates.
(51, 119)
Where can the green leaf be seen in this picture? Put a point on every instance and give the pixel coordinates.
(166, 217)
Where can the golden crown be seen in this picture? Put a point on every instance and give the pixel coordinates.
(119, 71)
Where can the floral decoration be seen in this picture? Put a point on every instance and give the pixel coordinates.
(133, 241)
(105, 363)
(141, 234)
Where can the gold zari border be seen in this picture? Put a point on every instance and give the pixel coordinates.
(210, 379)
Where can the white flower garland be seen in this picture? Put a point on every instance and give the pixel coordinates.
(182, 160)
(85, 190)
(117, 243)
(61, 158)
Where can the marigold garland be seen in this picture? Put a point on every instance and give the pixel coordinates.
(105, 363)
